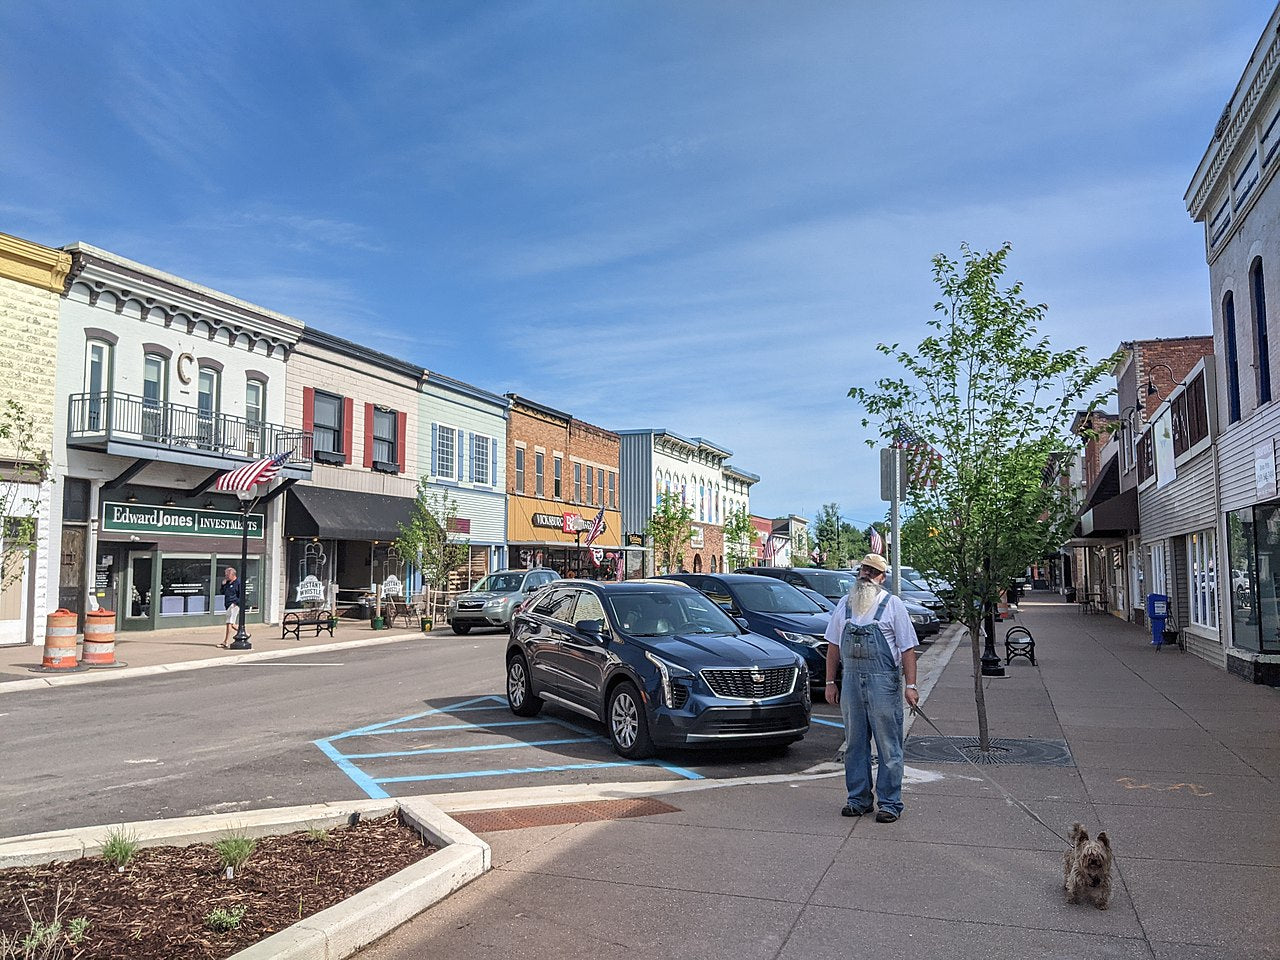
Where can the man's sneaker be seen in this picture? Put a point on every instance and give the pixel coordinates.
(848, 811)
(884, 816)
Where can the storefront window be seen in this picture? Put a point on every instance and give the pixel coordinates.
(1242, 549)
(185, 586)
(1267, 574)
(1202, 588)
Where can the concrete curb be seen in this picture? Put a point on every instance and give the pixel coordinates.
(331, 934)
(94, 676)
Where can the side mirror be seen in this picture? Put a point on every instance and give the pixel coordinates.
(742, 622)
(591, 628)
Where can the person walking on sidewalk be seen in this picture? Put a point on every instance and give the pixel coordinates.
(871, 638)
(232, 597)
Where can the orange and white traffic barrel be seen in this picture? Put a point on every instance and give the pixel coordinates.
(100, 639)
(59, 643)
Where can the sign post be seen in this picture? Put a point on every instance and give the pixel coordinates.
(893, 489)
(241, 639)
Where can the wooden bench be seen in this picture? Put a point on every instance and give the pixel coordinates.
(294, 620)
(1018, 642)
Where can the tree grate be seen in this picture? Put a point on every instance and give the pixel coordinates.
(1044, 753)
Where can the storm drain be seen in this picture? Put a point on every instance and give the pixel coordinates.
(489, 821)
(1044, 753)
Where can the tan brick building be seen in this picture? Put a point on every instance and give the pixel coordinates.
(561, 470)
(31, 280)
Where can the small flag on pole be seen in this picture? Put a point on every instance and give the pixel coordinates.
(597, 527)
(250, 475)
(877, 542)
(921, 463)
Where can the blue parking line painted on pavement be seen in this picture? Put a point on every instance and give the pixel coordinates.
(484, 746)
(452, 708)
(454, 726)
(827, 723)
(507, 773)
(358, 776)
(679, 771)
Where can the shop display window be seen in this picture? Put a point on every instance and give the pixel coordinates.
(185, 585)
(252, 577)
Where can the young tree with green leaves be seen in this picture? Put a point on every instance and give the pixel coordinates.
(24, 466)
(426, 538)
(670, 531)
(839, 541)
(985, 405)
(739, 539)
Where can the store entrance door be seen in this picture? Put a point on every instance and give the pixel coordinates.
(15, 578)
(139, 590)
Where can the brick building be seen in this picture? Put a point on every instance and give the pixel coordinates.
(561, 473)
(31, 278)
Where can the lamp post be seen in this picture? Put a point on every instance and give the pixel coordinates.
(241, 639)
(991, 666)
(1151, 387)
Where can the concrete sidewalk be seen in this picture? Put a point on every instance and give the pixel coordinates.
(192, 648)
(1179, 762)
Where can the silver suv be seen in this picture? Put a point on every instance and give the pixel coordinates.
(495, 599)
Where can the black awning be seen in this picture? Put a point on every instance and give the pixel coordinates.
(1111, 519)
(344, 515)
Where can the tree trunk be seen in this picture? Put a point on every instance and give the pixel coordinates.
(979, 695)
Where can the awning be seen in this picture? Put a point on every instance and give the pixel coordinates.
(1110, 519)
(343, 514)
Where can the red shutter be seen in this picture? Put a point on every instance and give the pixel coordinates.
(368, 434)
(402, 425)
(348, 418)
(308, 414)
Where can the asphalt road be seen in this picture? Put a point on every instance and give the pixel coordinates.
(400, 719)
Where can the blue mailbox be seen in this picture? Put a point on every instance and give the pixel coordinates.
(1157, 614)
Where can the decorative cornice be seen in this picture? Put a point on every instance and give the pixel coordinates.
(1227, 132)
(32, 264)
(179, 300)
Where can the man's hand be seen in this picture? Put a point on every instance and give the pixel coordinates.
(913, 698)
(832, 692)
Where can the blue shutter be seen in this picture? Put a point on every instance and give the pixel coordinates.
(457, 446)
(471, 449)
(493, 462)
(435, 433)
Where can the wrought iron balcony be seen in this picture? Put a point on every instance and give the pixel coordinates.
(120, 423)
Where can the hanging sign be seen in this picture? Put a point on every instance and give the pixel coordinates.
(183, 521)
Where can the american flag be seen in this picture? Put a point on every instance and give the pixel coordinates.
(877, 543)
(921, 462)
(252, 474)
(597, 527)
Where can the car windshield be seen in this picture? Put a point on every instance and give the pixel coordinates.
(500, 583)
(830, 583)
(771, 596)
(666, 613)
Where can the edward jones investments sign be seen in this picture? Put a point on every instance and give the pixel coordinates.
(144, 518)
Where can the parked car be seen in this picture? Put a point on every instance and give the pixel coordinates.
(494, 599)
(826, 587)
(658, 663)
(770, 608)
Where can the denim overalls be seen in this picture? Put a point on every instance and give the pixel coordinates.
(871, 694)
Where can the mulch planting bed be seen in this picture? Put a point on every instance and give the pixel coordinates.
(157, 908)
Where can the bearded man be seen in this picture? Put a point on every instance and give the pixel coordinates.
(870, 638)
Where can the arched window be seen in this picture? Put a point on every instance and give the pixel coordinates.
(1262, 353)
(697, 563)
(1232, 359)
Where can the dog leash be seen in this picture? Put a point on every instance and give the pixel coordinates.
(990, 779)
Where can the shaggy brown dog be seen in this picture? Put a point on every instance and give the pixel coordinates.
(1087, 868)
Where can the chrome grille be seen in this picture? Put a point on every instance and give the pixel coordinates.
(751, 684)
(470, 604)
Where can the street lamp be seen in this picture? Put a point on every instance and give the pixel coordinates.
(241, 639)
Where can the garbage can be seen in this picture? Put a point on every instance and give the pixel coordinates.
(1070, 594)
(1157, 614)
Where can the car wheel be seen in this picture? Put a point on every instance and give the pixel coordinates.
(520, 697)
(461, 628)
(628, 723)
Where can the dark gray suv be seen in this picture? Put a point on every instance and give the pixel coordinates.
(494, 599)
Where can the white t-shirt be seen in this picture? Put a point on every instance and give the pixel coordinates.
(896, 625)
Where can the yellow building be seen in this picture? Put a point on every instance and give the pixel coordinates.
(31, 281)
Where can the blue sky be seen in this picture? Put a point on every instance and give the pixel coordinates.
(697, 216)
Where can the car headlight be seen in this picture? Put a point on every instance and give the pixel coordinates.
(919, 618)
(666, 671)
(495, 603)
(804, 638)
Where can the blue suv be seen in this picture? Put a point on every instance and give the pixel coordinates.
(770, 608)
(659, 664)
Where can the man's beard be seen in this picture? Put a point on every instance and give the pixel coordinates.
(863, 596)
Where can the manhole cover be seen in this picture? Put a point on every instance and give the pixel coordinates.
(1045, 753)
(517, 818)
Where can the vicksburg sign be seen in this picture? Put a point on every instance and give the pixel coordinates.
(144, 518)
